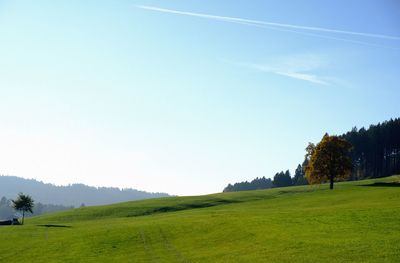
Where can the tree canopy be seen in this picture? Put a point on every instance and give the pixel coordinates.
(328, 161)
(376, 151)
(23, 203)
(282, 179)
(299, 176)
(258, 183)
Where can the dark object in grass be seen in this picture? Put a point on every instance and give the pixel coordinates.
(14, 222)
(54, 226)
(390, 184)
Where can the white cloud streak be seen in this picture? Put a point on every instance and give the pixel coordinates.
(298, 67)
(303, 76)
(273, 24)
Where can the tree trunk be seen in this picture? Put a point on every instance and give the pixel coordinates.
(23, 216)
(331, 182)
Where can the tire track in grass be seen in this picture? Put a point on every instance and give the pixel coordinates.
(170, 247)
(148, 247)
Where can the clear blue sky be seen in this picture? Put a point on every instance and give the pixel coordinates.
(111, 93)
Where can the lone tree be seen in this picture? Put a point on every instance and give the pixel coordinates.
(328, 161)
(23, 203)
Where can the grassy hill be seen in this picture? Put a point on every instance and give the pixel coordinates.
(356, 222)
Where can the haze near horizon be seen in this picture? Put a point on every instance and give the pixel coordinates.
(185, 97)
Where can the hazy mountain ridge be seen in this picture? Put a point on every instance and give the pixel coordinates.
(71, 195)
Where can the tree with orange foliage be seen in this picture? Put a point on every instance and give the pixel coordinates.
(328, 161)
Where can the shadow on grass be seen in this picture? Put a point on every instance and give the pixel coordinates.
(54, 226)
(209, 203)
(284, 192)
(391, 184)
(180, 207)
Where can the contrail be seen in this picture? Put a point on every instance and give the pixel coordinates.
(321, 36)
(295, 74)
(264, 23)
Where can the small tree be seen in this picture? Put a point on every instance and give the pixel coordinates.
(328, 161)
(23, 203)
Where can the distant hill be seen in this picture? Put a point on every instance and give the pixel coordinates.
(71, 195)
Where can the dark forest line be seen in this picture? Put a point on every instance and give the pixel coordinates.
(375, 153)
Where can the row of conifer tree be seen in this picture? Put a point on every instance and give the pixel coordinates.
(375, 153)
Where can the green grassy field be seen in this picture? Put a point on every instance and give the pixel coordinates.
(352, 223)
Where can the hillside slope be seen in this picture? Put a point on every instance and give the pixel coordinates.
(356, 222)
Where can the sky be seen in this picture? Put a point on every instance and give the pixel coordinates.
(186, 96)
